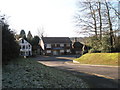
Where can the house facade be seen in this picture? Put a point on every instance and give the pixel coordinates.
(25, 47)
(56, 45)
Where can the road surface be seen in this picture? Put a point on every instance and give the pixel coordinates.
(96, 76)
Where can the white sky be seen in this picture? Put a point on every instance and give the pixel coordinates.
(55, 16)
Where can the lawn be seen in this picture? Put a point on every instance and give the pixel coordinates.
(28, 73)
(99, 58)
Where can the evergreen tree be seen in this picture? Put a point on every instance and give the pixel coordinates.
(35, 43)
(29, 37)
(10, 48)
(23, 34)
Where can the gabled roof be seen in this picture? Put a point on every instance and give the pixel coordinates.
(56, 40)
(77, 45)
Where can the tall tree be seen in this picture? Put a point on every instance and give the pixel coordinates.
(10, 48)
(29, 37)
(35, 44)
(35, 41)
(98, 18)
(110, 24)
(86, 18)
(22, 34)
(93, 15)
(41, 32)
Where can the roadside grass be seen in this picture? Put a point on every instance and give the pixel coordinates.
(100, 59)
(28, 73)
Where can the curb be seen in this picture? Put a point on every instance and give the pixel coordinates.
(76, 62)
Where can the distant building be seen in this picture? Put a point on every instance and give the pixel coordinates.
(25, 47)
(77, 48)
(56, 45)
(78, 45)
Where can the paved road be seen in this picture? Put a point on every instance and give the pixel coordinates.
(95, 76)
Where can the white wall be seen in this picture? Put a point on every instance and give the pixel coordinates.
(42, 44)
(27, 47)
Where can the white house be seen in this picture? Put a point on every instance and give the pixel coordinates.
(25, 47)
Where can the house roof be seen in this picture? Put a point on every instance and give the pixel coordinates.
(56, 40)
(23, 39)
(77, 45)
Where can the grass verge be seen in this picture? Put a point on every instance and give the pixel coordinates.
(99, 59)
(27, 73)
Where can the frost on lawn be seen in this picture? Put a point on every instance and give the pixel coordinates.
(27, 73)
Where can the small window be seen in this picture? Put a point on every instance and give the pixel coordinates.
(55, 45)
(48, 46)
(68, 45)
(20, 47)
(62, 51)
(61, 45)
(29, 46)
(68, 50)
(48, 51)
(58, 45)
(23, 46)
(22, 53)
(22, 41)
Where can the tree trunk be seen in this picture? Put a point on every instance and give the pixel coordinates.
(110, 25)
(94, 18)
(99, 11)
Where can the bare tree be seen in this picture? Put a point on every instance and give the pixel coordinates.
(93, 14)
(96, 17)
(87, 18)
(100, 18)
(41, 32)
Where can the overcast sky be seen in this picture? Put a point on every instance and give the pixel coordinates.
(55, 16)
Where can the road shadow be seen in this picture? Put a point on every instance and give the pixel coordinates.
(92, 80)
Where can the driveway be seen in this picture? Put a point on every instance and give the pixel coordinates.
(96, 76)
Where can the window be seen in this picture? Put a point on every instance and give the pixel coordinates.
(68, 50)
(23, 47)
(55, 45)
(29, 46)
(61, 45)
(58, 45)
(48, 51)
(68, 45)
(20, 47)
(22, 53)
(22, 41)
(48, 46)
(62, 51)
